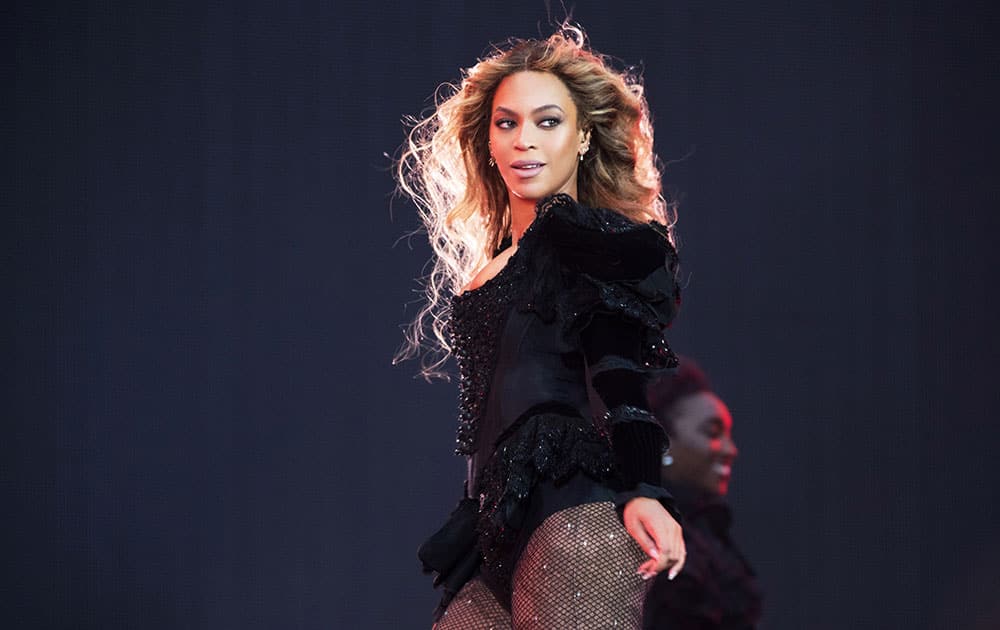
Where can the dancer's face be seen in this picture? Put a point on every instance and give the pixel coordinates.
(701, 443)
(534, 136)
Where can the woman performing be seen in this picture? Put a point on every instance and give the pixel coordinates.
(553, 281)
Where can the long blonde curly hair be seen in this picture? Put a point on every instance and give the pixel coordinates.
(444, 167)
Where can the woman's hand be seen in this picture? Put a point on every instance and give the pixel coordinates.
(659, 535)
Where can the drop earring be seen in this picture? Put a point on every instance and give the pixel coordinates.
(491, 162)
(668, 459)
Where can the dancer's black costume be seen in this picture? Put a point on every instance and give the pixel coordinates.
(583, 302)
(717, 590)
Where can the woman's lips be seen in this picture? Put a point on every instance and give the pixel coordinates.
(526, 169)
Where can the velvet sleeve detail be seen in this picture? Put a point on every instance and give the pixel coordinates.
(609, 284)
(638, 449)
(637, 438)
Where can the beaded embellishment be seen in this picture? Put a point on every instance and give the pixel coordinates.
(477, 320)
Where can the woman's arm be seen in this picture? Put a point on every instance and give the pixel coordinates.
(610, 344)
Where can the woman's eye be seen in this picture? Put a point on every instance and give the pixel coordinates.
(504, 123)
(549, 122)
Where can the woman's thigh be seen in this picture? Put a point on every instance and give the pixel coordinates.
(474, 608)
(578, 570)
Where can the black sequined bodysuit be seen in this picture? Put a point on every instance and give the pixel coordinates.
(553, 355)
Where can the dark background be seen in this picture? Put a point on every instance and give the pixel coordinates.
(201, 425)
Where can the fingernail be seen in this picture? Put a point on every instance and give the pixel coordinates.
(654, 553)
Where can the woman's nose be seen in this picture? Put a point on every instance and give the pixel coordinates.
(525, 138)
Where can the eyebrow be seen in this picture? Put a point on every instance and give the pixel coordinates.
(511, 112)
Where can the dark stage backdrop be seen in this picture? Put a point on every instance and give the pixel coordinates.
(205, 283)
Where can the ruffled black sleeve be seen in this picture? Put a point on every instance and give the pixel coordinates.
(611, 285)
(636, 435)
(637, 438)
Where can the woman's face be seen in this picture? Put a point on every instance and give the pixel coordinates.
(701, 443)
(534, 136)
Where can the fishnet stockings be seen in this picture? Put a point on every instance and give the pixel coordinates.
(576, 573)
(474, 608)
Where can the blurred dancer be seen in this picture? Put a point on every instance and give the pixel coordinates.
(718, 588)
